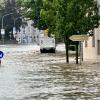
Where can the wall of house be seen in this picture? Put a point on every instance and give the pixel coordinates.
(97, 32)
(89, 53)
(93, 53)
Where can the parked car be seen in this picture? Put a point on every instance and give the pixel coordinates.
(47, 45)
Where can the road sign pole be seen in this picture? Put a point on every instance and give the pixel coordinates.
(3, 33)
(80, 53)
(0, 61)
(3, 39)
(80, 39)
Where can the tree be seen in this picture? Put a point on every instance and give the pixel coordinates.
(9, 6)
(76, 17)
(32, 10)
(43, 12)
(65, 17)
(48, 14)
(69, 17)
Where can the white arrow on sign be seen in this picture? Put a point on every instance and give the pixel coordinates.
(79, 37)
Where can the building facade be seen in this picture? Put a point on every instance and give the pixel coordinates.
(91, 47)
(25, 34)
(28, 34)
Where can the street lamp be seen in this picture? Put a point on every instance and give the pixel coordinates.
(2, 29)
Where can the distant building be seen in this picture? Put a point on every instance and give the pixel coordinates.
(28, 34)
(37, 35)
(25, 34)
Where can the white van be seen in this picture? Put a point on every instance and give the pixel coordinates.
(47, 44)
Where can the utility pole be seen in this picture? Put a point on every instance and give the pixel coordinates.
(3, 30)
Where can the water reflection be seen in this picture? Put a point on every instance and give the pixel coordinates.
(26, 75)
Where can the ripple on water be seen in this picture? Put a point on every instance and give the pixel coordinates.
(26, 75)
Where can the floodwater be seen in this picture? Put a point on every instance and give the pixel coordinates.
(25, 74)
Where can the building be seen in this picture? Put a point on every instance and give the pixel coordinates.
(91, 47)
(37, 35)
(28, 34)
(25, 34)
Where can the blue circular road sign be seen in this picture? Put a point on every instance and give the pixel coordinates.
(1, 54)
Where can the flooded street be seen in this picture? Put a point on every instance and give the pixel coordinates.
(25, 74)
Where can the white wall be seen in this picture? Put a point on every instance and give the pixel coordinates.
(26, 33)
(90, 52)
(97, 31)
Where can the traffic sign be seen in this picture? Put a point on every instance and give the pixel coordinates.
(1, 54)
(2, 31)
(79, 37)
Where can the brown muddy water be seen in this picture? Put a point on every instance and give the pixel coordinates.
(25, 74)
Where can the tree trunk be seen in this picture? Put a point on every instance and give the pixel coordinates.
(77, 52)
(66, 47)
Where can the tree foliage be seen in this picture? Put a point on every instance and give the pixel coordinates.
(48, 14)
(65, 17)
(76, 17)
(32, 10)
(8, 7)
(72, 17)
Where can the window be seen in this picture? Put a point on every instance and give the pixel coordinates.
(98, 47)
(93, 41)
(86, 43)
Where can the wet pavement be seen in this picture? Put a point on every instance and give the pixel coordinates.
(25, 74)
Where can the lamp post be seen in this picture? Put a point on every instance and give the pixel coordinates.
(2, 29)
